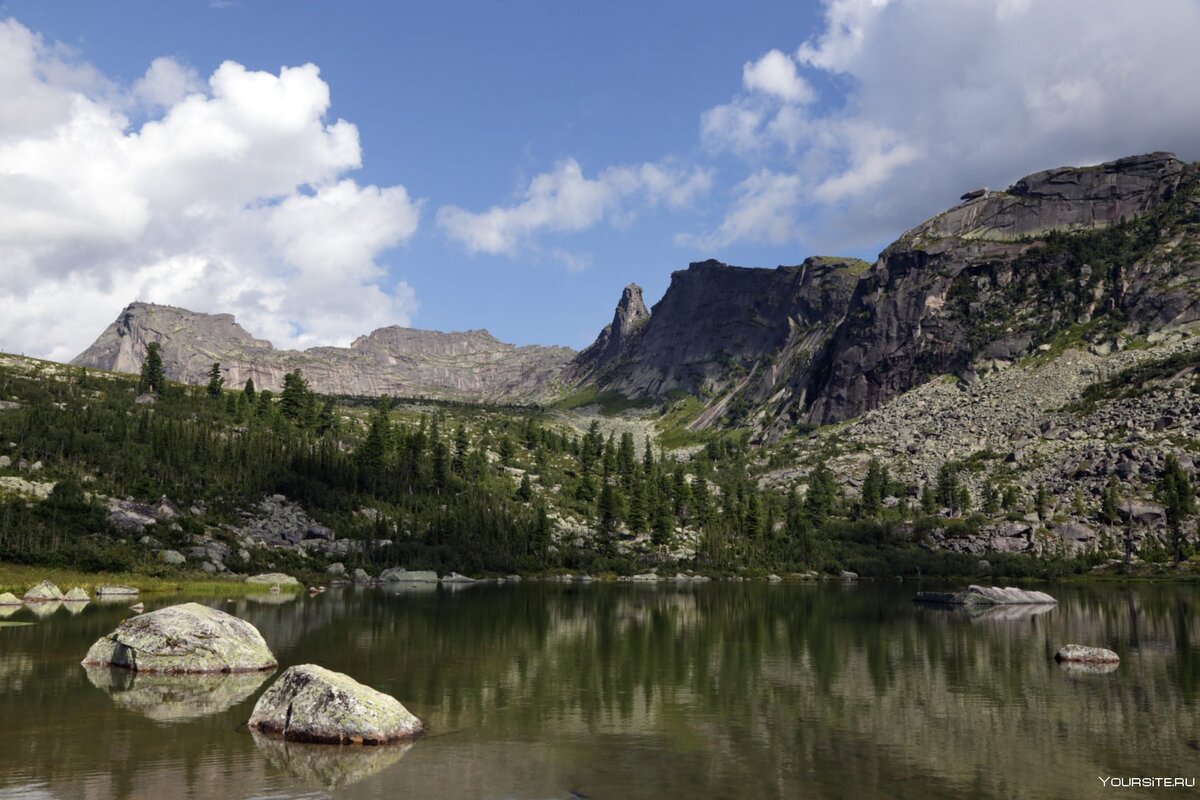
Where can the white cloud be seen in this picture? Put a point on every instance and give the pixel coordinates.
(566, 201)
(775, 74)
(233, 196)
(763, 210)
(923, 99)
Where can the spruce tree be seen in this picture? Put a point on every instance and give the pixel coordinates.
(248, 391)
(152, 377)
(1178, 497)
(525, 490)
(215, 381)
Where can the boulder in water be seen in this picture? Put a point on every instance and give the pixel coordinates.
(273, 579)
(115, 591)
(183, 638)
(986, 595)
(9, 599)
(313, 704)
(402, 575)
(1080, 654)
(77, 595)
(44, 592)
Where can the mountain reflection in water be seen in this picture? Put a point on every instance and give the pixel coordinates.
(631, 691)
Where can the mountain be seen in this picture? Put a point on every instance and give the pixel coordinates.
(470, 365)
(1085, 252)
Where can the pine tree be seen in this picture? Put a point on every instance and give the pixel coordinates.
(1110, 502)
(152, 377)
(821, 496)
(1178, 497)
(525, 490)
(873, 489)
(636, 515)
(215, 381)
(948, 491)
(248, 391)
(928, 501)
(295, 396)
(459, 465)
(507, 451)
(327, 418)
(991, 498)
(1041, 502)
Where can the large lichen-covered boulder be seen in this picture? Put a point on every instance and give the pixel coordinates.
(115, 591)
(44, 592)
(313, 704)
(1081, 654)
(183, 638)
(9, 599)
(77, 595)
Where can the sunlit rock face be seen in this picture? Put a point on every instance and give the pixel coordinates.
(167, 697)
(183, 638)
(312, 704)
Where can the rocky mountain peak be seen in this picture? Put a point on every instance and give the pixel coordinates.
(630, 315)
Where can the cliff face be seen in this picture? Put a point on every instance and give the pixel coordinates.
(404, 362)
(719, 327)
(1083, 251)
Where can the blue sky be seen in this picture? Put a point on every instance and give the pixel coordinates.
(518, 163)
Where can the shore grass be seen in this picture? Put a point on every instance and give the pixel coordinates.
(18, 578)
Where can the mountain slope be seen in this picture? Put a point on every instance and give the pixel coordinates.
(470, 365)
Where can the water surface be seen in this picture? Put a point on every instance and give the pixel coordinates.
(632, 691)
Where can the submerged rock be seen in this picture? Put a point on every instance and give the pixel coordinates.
(183, 638)
(986, 595)
(9, 599)
(328, 767)
(77, 595)
(1081, 654)
(44, 592)
(313, 704)
(175, 698)
(273, 579)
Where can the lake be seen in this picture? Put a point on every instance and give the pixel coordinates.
(718, 690)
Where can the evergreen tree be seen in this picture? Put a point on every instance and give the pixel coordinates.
(1178, 497)
(822, 495)
(525, 490)
(327, 418)
(265, 403)
(1041, 502)
(459, 465)
(928, 501)
(948, 489)
(1010, 498)
(215, 381)
(991, 498)
(1110, 502)
(152, 378)
(295, 396)
(873, 489)
(248, 391)
(636, 514)
(507, 451)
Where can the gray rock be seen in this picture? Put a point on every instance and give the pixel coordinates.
(183, 638)
(1078, 653)
(77, 595)
(360, 576)
(313, 704)
(44, 592)
(9, 599)
(986, 595)
(336, 569)
(5, 462)
(171, 557)
(454, 577)
(847, 575)
(116, 591)
(273, 579)
(402, 575)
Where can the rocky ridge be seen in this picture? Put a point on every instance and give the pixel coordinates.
(403, 362)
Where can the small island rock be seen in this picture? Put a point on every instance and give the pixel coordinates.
(77, 595)
(1080, 654)
(183, 638)
(313, 704)
(9, 599)
(273, 579)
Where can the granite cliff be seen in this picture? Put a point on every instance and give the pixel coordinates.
(1084, 252)
(470, 365)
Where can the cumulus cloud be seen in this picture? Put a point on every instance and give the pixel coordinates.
(922, 99)
(565, 201)
(232, 195)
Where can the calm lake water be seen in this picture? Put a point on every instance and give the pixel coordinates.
(628, 691)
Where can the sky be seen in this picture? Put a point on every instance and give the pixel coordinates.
(320, 169)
